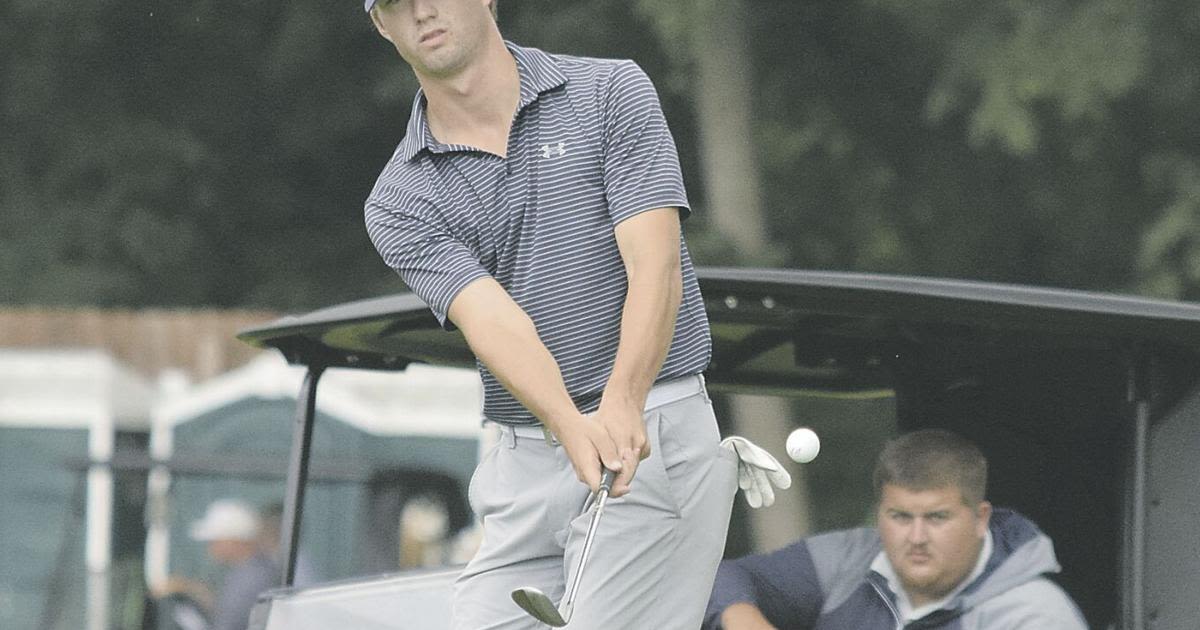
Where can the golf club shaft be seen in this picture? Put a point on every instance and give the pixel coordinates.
(601, 498)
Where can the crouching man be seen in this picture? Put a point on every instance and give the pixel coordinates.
(939, 557)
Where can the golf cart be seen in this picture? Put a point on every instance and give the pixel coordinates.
(1086, 405)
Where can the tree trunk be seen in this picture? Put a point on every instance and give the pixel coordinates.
(724, 96)
(725, 93)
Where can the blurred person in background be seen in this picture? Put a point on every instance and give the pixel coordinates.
(232, 529)
(424, 532)
(270, 541)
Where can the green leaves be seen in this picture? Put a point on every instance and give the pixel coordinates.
(218, 154)
(1011, 57)
(157, 152)
(1170, 255)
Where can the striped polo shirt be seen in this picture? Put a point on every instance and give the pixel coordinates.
(589, 148)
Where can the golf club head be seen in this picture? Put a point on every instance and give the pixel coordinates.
(535, 602)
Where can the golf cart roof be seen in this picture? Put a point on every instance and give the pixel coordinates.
(782, 331)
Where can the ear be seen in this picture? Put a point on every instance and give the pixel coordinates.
(379, 25)
(983, 515)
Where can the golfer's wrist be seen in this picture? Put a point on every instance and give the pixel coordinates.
(622, 399)
(562, 421)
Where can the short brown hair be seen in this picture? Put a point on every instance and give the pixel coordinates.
(495, 15)
(930, 459)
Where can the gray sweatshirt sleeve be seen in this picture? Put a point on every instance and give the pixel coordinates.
(1031, 606)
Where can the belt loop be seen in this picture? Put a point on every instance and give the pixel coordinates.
(704, 388)
(511, 436)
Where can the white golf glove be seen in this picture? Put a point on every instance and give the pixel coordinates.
(758, 470)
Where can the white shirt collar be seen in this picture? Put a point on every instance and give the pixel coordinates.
(883, 567)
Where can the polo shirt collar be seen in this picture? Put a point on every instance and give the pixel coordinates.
(417, 135)
(538, 71)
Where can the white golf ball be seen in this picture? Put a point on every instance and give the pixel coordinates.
(803, 445)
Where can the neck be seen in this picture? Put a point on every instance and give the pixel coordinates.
(920, 599)
(475, 106)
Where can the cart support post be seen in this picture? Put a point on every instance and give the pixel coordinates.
(297, 477)
(1139, 391)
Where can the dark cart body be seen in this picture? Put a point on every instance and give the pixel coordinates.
(1085, 403)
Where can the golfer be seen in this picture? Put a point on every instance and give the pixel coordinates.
(535, 204)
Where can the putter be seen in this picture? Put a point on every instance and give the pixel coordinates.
(535, 602)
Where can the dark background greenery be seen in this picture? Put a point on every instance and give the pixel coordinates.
(217, 154)
(158, 153)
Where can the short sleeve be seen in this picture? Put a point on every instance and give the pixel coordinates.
(641, 164)
(411, 236)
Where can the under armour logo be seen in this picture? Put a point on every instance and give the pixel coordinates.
(552, 150)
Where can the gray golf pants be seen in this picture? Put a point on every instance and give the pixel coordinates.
(656, 549)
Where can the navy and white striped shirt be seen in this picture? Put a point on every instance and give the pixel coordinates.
(589, 148)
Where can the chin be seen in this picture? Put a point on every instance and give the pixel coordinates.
(444, 62)
(920, 581)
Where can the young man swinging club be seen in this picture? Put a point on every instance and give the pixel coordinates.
(535, 204)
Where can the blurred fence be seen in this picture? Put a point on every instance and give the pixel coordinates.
(202, 343)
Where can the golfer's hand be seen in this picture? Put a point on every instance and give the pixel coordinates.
(758, 470)
(626, 429)
(589, 447)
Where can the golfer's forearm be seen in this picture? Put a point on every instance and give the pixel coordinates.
(649, 245)
(744, 616)
(505, 340)
(647, 326)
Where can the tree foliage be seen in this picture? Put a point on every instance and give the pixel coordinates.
(886, 129)
(195, 153)
(218, 154)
